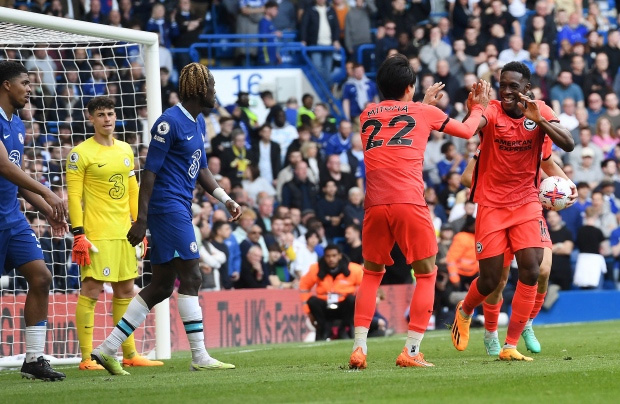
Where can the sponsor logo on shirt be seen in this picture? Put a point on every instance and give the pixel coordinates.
(163, 128)
(14, 157)
(514, 145)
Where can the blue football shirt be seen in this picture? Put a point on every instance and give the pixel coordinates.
(181, 138)
(12, 133)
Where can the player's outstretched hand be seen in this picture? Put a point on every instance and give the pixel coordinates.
(573, 195)
(480, 93)
(529, 108)
(59, 207)
(433, 94)
(234, 209)
(59, 227)
(137, 232)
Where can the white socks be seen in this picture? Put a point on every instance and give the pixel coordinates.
(414, 339)
(35, 341)
(191, 315)
(490, 334)
(529, 322)
(134, 316)
(361, 335)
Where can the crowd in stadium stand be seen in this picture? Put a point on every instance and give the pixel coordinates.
(300, 173)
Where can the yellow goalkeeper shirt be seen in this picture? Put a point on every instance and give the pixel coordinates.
(102, 188)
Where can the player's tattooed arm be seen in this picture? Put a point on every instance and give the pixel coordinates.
(558, 134)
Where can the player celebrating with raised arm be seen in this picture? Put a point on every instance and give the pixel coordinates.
(19, 248)
(103, 198)
(493, 302)
(175, 160)
(505, 186)
(395, 133)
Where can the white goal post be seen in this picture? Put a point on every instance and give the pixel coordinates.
(21, 30)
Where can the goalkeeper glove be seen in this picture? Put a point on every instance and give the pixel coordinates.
(141, 248)
(81, 247)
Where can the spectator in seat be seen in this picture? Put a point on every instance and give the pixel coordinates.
(599, 79)
(95, 14)
(333, 172)
(357, 28)
(612, 112)
(283, 133)
(585, 140)
(236, 159)
(353, 246)
(587, 171)
(565, 88)
(286, 20)
(568, 118)
(590, 261)
(562, 239)
(605, 136)
(574, 32)
(268, 154)
(269, 55)
(265, 212)
(354, 208)
(223, 140)
(300, 192)
(336, 280)
(452, 161)
(305, 115)
(270, 104)
(357, 92)
(246, 222)
(305, 254)
(595, 109)
(435, 50)
(341, 141)
(166, 26)
(515, 51)
(386, 40)
(327, 120)
(253, 273)
(330, 210)
(319, 26)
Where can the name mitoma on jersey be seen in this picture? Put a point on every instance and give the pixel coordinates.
(387, 108)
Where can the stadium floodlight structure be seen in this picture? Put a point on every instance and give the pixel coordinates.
(128, 70)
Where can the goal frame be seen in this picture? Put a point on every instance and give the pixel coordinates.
(150, 44)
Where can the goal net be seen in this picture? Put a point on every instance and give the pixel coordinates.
(69, 62)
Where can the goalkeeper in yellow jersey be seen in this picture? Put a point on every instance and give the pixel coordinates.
(103, 200)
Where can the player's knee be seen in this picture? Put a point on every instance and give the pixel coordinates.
(40, 282)
(191, 280)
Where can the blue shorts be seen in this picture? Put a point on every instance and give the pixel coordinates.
(18, 246)
(172, 236)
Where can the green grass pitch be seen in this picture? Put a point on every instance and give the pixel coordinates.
(579, 363)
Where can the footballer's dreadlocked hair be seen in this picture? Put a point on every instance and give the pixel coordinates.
(193, 81)
(9, 70)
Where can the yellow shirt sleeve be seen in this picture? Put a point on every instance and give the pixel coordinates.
(75, 186)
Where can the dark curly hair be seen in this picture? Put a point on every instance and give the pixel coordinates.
(517, 67)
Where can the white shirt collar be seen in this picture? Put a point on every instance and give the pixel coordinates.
(186, 112)
(4, 115)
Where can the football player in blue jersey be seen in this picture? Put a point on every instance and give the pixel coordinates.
(175, 160)
(19, 247)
